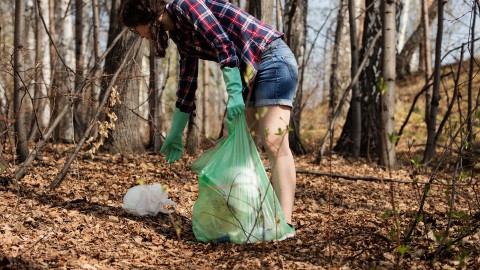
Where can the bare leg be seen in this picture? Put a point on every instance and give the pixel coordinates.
(273, 129)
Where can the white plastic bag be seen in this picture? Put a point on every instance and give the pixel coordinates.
(145, 200)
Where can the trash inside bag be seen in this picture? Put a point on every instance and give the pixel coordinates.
(145, 200)
(236, 202)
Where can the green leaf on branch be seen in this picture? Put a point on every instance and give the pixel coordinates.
(393, 138)
(382, 85)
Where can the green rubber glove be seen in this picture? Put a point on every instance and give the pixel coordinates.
(173, 144)
(235, 104)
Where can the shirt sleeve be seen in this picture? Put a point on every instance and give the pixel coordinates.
(187, 84)
(203, 20)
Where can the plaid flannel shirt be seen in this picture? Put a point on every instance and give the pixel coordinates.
(218, 31)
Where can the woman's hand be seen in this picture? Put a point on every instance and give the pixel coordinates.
(173, 144)
(235, 103)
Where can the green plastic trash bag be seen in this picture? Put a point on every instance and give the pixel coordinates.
(236, 202)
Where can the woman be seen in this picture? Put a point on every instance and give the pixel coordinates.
(256, 64)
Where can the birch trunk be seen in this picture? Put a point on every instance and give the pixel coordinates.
(96, 82)
(387, 109)
(42, 109)
(65, 79)
(18, 85)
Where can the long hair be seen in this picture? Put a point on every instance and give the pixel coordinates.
(147, 12)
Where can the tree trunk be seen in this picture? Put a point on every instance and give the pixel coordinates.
(161, 77)
(295, 35)
(18, 85)
(126, 137)
(405, 56)
(387, 103)
(370, 94)
(470, 120)
(334, 82)
(155, 101)
(192, 145)
(403, 23)
(432, 121)
(96, 81)
(79, 111)
(206, 89)
(356, 134)
(51, 29)
(41, 108)
(279, 15)
(427, 59)
(65, 81)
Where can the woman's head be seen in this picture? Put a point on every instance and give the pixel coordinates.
(138, 13)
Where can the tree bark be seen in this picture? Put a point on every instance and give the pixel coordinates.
(41, 108)
(387, 111)
(65, 80)
(470, 81)
(370, 94)
(96, 80)
(356, 134)
(206, 89)
(192, 145)
(295, 35)
(79, 116)
(334, 82)
(432, 121)
(427, 55)
(405, 56)
(18, 84)
(126, 137)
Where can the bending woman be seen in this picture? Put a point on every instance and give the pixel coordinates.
(259, 70)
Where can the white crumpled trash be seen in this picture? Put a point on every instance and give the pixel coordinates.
(145, 200)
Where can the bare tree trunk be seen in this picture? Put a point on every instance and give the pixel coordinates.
(356, 134)
(427, 55)
(65, 80)
(79, 117)
(18, 84)
(368, 85)
(96, 81)
(432, 121)
(405, 56)
(41, 108)
(387, 103)
(51, 29)
(334, 83)
(279, 13)
(470, 80)
(192, 144)
(125, 138)
(295, 35)
(206, 89)
(161, 78)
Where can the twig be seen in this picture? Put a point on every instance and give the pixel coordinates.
(371, 178)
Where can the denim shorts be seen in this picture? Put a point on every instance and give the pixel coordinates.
(276, 79)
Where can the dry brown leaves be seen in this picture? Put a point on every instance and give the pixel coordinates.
(82, 225)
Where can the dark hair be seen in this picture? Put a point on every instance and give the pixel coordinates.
(147, 12)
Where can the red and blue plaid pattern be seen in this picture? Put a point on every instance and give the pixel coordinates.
(218, 31)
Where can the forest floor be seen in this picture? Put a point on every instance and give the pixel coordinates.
(341, 224)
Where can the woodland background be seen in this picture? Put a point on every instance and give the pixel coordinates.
(384, 131)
